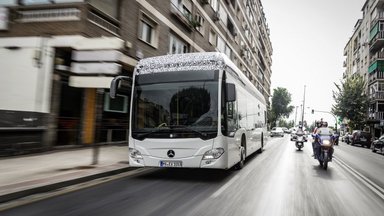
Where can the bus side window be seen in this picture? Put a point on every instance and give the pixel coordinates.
(231, 118)
(230, 110)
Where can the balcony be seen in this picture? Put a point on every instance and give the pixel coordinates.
(377, 56)
(67, 14)
(184, 16)
(380, 16)
(375, 76)
(379, 95)
(377, 115)
(376, 66)
(377, 41)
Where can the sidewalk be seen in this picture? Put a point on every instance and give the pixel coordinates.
(25, 175)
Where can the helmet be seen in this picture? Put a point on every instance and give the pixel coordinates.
(318, 124)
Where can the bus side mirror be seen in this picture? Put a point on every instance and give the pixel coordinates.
(119, 84)
(231, 92)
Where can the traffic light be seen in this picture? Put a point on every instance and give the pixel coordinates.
(313, 111)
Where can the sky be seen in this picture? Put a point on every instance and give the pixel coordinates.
(308, 39)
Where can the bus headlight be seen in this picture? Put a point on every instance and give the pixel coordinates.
(213, 154)
(135, 154)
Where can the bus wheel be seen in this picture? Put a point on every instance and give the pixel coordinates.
(241, 163)
(262, 144)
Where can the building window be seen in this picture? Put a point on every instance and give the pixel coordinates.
(223, 47)
(214, 4)
(183, 6)
(177, 46)
(223, 15)
(228, 51)
(220, 44)
(148, 30)
(231, 27)
(212, 37)
(199, 19)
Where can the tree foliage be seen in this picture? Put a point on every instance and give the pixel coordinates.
(285, 123)
(280, 107)
(352, 101)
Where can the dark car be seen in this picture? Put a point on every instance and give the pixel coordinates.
(378, 145)
(361, 137)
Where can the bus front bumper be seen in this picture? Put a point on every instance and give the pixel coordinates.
(189, 162)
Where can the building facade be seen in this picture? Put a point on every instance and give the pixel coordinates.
(58, 58)
(365, 56)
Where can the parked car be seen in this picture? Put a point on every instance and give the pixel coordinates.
(361, 137)
(286, 130)
(277, 131)
(378, 145)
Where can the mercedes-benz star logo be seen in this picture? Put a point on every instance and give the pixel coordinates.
(171, 153)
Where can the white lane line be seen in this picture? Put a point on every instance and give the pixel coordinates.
(368, 183)
(220, 190)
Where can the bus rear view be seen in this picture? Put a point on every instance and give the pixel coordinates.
(178, 113)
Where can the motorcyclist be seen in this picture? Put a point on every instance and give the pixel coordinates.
(318, 125)
(323, 130)
(300, 132)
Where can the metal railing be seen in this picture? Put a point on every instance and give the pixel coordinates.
(379, 115)
(376, 75)
(377, 95)
(377, 56)
(379, 35)
(103, 23)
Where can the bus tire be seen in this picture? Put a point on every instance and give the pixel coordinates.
(262, 144)
(241, 163)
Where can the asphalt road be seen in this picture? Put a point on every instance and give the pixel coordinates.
(279, 181)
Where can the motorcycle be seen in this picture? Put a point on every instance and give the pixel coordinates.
(324, 149)
(299, 142)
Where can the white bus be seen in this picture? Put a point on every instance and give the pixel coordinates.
(194, 110)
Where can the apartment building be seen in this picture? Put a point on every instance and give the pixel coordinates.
(376, 67)
(59, 56)
(365, 56)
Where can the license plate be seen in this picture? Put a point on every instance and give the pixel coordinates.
(363, 139)
(171, 164)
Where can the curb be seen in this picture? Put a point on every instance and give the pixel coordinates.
(64, 183)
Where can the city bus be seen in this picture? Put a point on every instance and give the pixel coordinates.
(194, 110)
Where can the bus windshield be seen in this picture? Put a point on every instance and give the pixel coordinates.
(176, 106)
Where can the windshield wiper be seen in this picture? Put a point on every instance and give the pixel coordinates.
(202, 134)
(144, 135)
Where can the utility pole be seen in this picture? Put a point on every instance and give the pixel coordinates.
(302, 116)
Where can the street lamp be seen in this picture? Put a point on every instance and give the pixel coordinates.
(302, 116)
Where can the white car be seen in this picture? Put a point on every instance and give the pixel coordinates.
(277, 131)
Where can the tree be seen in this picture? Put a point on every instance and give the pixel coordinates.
(285, 123)
(280, 107)
(351, 101)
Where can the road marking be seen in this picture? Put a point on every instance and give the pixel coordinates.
(65, 190)
(218, 192)
(368, 183)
